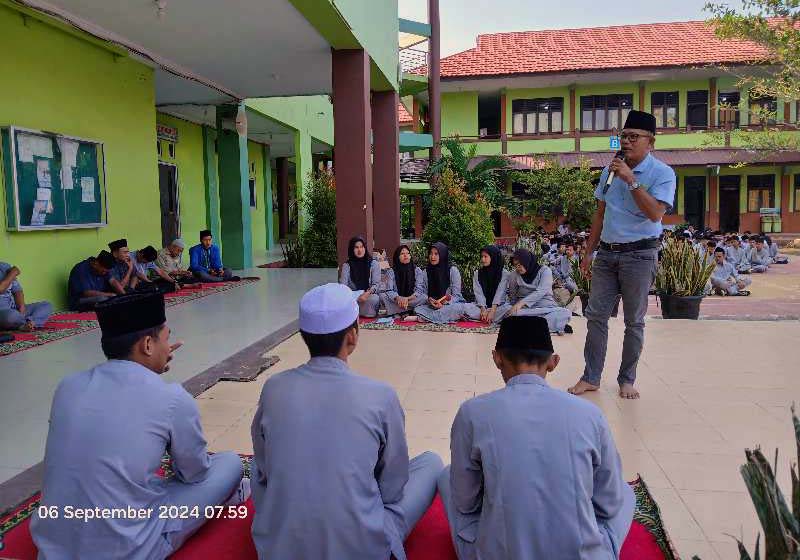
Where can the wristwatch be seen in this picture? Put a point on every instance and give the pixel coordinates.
(634, 186)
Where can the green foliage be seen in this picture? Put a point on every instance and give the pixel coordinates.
(464, 225)
(293, 253)
(554, 191)
(583, 281)
(318, 238)
(773, 25)
(486, 179)
(681, 271)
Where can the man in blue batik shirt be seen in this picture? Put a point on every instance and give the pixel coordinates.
(627, 226)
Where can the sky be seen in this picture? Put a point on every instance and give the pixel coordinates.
(463, 20)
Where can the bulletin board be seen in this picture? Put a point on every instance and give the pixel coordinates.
(52, 181)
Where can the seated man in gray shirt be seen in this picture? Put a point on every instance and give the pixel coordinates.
(535, 471)
(15, 312)
(331, 475)
(109, 429)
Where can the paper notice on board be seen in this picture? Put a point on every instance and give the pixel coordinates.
(39, 213)
(66, 178)
(87, 189)
(43, 174)
(24, 148)
(69, 152)
(43, 194)
(42, 146)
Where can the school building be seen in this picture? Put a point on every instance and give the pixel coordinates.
(564, 93)
(150, 120)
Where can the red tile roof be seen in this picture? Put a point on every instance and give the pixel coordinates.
(403, 116)
(654, 45)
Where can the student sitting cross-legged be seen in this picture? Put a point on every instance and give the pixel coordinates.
(535, 472)
(777, 258)
(110, 426)
(759, 257)
(725, 279)
(442, 286)
(331, 474)
(15, 312)
(361, 273)
(205, 261)
(530, 292)
(490, 286)
(90, 282)
(403, 285)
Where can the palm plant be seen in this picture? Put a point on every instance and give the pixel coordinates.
(484, 179)
(581, 280)
(682, 272)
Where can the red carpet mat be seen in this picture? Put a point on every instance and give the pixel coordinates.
(63, 325)
(460, 326)
(229, 539)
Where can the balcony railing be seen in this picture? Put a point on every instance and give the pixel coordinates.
(412, 59)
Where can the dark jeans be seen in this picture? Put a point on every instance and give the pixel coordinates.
(206, 277)
(630, 274)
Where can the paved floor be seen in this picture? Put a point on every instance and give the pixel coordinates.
(710, 389)
(213, 328)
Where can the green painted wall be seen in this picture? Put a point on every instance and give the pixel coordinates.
(89, 93)
(302, 168)
(257, 224)
(460, 114)
(191, 175)
(312, 114)
(541, 146)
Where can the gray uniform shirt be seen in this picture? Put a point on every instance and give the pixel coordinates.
(7, 297)
(541, 468)
(390, 286)
(109, 428)
(736, 255)
(454, 291)
(500, 296)
(761, 257)
(538, 293)
(331, 464)
(724, 271)
(374, 276)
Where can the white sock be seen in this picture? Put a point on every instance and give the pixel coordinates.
(241, 493)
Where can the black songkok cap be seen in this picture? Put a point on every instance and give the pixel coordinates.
(521, 332)
(118, 244)
(641, 120)
(205, 233)
(131, 313)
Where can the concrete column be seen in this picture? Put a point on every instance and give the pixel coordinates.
(503, 124)
(268, 208)
(303, 166)
(386, 170)
(237, 237)
(434, 90)
(282, 168)
(352, 122)
(785, 204)
(641, 96)
(211, 183)
(713, 202)
(712, 105)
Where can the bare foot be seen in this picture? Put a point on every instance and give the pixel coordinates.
(627, 391)
(27, 327)
(582, 387)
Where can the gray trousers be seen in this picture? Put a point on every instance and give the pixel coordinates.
(222, 479)
(369, 308)
(37, 313)
(450, 313)
(759, 268)
(206, 277)
(474, 312)
(615, 529)
(630, 274)
(392, 308)
(731, 289)
(423, 471)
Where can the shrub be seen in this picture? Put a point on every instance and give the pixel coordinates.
(681, 271)
(316, 245)
(464, 226)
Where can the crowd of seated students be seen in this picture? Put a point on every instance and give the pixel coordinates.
(434, 294)
(121, 271)
(331, 476)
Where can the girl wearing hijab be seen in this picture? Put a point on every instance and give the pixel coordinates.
(442, 288)
(530, 291)
(360, 272)
(403, 284)
(490, 285)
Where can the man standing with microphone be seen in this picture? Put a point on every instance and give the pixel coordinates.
(634, 193)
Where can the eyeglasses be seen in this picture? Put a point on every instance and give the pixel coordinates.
(632, 136)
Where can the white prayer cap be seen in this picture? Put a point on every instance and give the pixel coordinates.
(179, 243)
(328, 309)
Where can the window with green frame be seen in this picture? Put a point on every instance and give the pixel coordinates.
(665, 108)
(760, 192)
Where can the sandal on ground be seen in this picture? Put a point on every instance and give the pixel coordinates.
(743, 293)
(568, 329)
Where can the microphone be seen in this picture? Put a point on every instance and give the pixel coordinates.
(621, 155)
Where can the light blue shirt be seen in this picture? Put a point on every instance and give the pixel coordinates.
(624, 222)
(540, 468)
(141, 268)
(7, 297)
(109, 429)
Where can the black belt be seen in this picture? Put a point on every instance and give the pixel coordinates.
(641, 245)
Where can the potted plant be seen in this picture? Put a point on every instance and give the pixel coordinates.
(681, 280)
